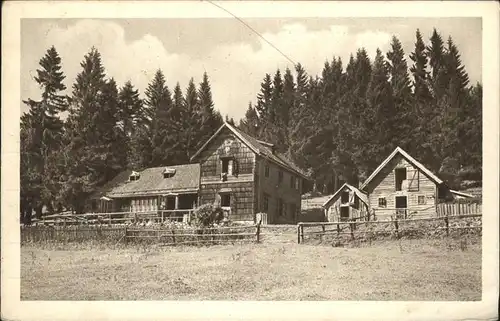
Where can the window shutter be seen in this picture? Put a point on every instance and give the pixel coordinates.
(413, 179)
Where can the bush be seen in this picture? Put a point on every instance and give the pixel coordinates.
(207, 215)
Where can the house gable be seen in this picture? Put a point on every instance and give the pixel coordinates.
(389, 162)
(346, 187)
(260, 148)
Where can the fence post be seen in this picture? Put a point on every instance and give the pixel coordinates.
(302, 233)
(173, 236)
(446, 220)
(338, 229)
(351, 225)
(321, 235)
(396, 227)
(258, 231)
(109, 218)
(298, 233)
(126, 235)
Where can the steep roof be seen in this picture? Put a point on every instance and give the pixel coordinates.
(152, 181)
(257, 147)
(410, 159)
(361, 195)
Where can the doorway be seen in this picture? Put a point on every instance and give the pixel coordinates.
(344, 213)
(401, 206)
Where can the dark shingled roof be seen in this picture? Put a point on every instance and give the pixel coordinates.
(151, 182)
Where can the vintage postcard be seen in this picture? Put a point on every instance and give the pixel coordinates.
(250, 160)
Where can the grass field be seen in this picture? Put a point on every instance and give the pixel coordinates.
(392, 270)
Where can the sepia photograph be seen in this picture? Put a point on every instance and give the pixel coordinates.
(232, 156)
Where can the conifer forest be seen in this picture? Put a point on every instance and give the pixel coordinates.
(337, 126)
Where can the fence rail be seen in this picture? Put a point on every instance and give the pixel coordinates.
(163, 235)
(370, 229)
(116, 217)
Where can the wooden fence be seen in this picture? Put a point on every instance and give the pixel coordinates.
(367, 230)
(159, 216)
(179, 236)
(445, 209)
(136, 234)
(66, 234)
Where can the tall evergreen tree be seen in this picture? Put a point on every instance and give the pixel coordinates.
(211, 120)
(131, 116)
(425, 106)
(250, 123)
(456, 106)
(404, 120)
(42, 130)
(380, 126)
(91, 132)
(191, 116)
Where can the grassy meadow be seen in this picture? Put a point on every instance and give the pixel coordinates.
(424, 269)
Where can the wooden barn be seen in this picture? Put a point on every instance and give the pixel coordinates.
(243, 175)
(248, 176)
(399, 187)
(348, 203)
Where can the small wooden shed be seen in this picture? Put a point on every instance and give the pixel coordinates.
(348, 203)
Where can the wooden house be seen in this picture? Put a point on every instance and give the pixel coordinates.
(153, 189)
(241, 174)
(348, 203)
(248, 176)
(399, 187)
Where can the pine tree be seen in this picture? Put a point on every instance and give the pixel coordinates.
(42, 130)
(425, 114)
(404, 120)
(191, 116)
(456, 109)
(211, 120)
(130, 114)
(379, 118)
(90, 132)
(250, 123)
(436, 54)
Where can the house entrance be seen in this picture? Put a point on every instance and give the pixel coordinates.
(401, 206)
(344, 213)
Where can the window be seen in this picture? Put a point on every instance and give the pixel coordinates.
(280, 207)
(265, 203)
(400, 175)
(421, 199)
(297, 184)
(280, 177)
(292, 181)
(266, 170)
(225, 200)
(225, 165)
(382, 202)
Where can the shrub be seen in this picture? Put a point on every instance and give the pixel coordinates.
(207, 215)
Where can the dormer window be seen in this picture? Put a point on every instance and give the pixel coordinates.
(168, 172)
(134, 176)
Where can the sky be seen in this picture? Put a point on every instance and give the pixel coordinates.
(235, 58)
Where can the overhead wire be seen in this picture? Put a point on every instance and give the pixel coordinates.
(253, 30)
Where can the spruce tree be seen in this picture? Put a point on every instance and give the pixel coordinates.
(250, 122)
(211, 120)
(425, 114)
(404, 120)
(90, 130)
(42, 130)
(130, 114)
